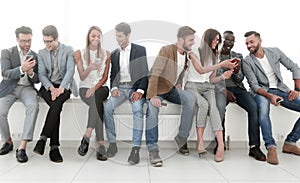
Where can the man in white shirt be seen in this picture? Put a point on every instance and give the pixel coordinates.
(128, 81)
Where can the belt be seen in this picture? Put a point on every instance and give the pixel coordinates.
(126, 83)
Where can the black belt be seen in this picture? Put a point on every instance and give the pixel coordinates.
(126, 83)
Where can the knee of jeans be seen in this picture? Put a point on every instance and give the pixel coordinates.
(151, 110)
(137, 107)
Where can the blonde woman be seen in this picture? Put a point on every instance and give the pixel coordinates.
(93, 66)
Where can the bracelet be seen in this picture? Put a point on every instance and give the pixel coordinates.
(297, 89)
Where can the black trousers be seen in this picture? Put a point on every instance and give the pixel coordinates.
(52, 122)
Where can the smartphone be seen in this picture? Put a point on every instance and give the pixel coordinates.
(164, 104)
(279, 100)
(235, 60)
(29, 57)
(97, 60)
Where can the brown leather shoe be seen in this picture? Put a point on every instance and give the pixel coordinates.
(291, 149)
(272, 156)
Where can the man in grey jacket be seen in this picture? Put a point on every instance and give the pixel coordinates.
(56, 70)
(20, 72)
(262, 69)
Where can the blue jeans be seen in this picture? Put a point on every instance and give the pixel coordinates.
(264, 118)
(181, 97)
(247, 102)
(294, 105)
(137, 111)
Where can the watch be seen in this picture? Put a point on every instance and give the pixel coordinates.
(297, 89)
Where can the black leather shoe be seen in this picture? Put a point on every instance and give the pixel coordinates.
(40, 147)
(21, 155)
(134, 157)
(83, 148)
(256, 153)
(182, 146)
(6, 148)
(55, 156)
(101, 153)
(112, 150)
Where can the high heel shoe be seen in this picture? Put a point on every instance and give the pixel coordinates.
(202, 152)
(219, 156)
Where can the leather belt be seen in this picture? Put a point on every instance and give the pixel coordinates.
(126, 83)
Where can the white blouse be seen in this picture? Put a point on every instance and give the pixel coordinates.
(94, 76)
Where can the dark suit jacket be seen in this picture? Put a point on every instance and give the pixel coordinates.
(10, 63)
(138, 68)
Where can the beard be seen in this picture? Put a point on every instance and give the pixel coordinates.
(255, 49)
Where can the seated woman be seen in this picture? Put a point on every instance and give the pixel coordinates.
(200, 84)
(93, 65)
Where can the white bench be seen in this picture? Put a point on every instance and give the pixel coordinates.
(74, 119)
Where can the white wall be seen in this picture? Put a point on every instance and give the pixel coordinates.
(154, 23)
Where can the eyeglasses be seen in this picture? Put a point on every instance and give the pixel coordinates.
(227, 41)
(216, 40)
(48, 41)
(25, 41)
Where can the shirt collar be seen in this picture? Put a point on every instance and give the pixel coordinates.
(128, 47)
(20, 51)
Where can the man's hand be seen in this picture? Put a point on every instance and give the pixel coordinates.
(178, 86)
(156, 102)
(293, 95)
(230, 96)
(115, 93)
(56, 92)
(274, 99)
(27, 65)
(135, 96)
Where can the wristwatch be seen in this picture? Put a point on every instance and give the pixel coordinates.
(297, 89)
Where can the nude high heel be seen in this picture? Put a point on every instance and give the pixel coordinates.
(201, 152)
(219, 156)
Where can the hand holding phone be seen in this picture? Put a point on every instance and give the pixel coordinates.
(235, 60)
(29, 57)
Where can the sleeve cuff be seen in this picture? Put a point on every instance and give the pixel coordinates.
(141, 91)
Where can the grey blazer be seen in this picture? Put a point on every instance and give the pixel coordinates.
(66, 66)
(256, 76)
(10, 63)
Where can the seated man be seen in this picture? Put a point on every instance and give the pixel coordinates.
(20, 72)
(233, 90)
(262, 69)
(165, 84)
(129, 71)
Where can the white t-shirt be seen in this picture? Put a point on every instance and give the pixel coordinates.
(268, 71)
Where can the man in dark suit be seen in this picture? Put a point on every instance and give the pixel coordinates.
(128, 80)
(19, 72)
